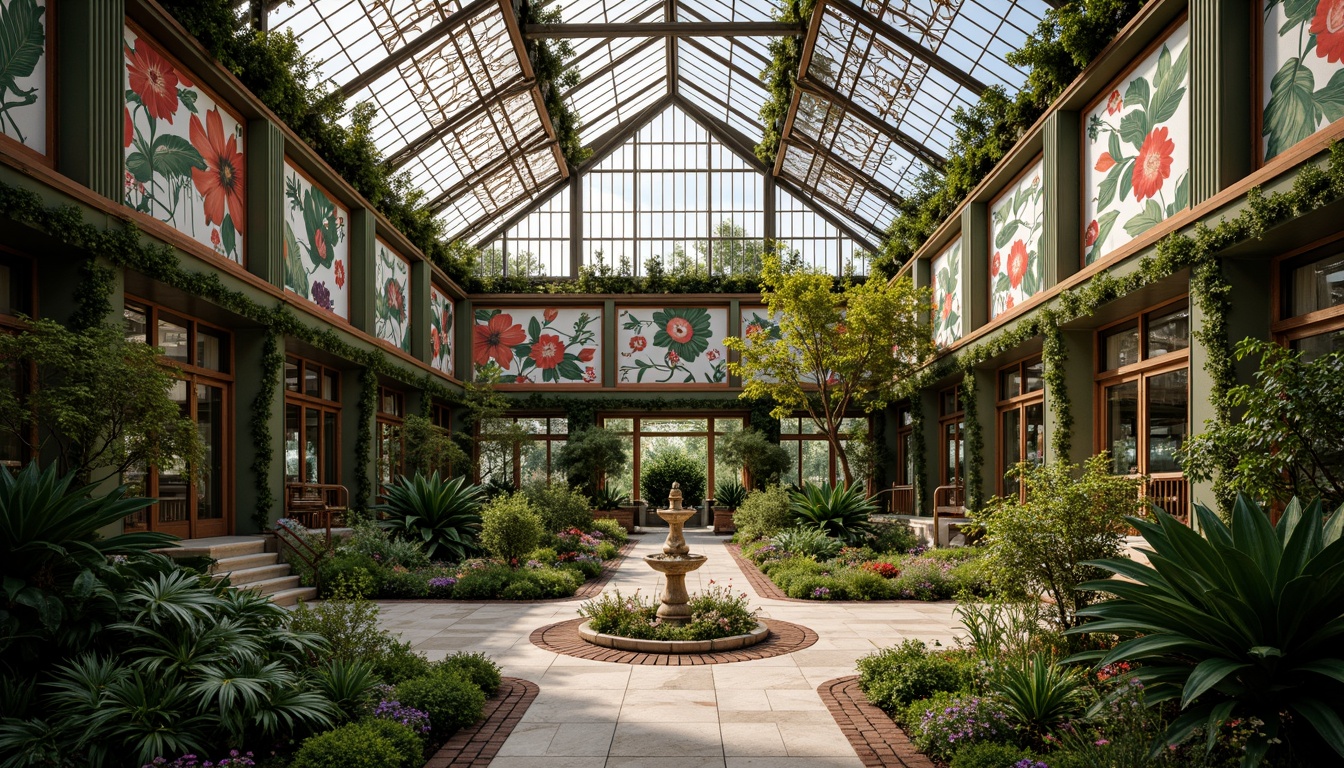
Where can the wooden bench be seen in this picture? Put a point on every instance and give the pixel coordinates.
(317, 505)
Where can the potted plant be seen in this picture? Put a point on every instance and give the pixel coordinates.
(611, 504)
(728, 496)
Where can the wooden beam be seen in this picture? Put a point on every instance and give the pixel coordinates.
(441, 200)
(661, 29)
(859, 176)
(419, 44)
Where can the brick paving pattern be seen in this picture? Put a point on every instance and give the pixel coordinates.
(878, 741)
(563, 637)
(476, 746)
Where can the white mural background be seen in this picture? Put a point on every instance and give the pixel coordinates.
(392, 301)
(25, 94)
(1016, 223)
(317, 249)
(672, 345)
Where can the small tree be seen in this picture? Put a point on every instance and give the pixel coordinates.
(510, 527)
(590, 454)
(1045, 544)
(1289, 440)
(102, 402)
(430, 448)
(833, 351)
(660, 471)
(751, 450)
(489, 429)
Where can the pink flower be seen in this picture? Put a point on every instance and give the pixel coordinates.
(713, 354)
(673, 358)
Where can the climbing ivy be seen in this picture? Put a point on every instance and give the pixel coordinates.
(974, 439)
(554, 78)
(368, 404)
(263, 451)
(1053, 360)
(917, 455)
(786, 54)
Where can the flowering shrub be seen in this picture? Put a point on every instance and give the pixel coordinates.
(821, 593)
(234, 760)
(885, 570)
(937, 726)
(415, 719)
(715, 612)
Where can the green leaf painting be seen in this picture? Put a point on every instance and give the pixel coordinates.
(184, 156)
(1301, 82)
(947, 291)
(23, 72)
(1137, 151)
(524, 345)
(674, 345)
(317, 260)
(441, 330)
(1016, 222)
(392, 298)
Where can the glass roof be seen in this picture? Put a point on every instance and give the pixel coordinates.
(459, 109)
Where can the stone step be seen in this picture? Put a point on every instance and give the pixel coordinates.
(244, 576)
(272, 585)
(289, 597)
(218, 548)
(242, 562)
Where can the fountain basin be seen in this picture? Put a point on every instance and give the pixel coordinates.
(675, 564)
(733, 643)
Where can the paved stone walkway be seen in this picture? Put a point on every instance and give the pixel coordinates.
(590, 714)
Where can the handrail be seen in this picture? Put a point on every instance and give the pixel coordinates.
(899, 493)
(293, 493)
(283, 531)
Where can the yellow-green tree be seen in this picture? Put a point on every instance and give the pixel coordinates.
(831, 352)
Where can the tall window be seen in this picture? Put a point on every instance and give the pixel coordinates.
(1144, 390)
(951, 438)
(17, 289)
(391, 443)
(200, 357)
(905, 439)
(1312, 303)
(812, 459)
(650, 436)
(1021, 410)
(527, 461)
(312, 422)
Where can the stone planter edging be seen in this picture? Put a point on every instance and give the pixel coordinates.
(675, 646)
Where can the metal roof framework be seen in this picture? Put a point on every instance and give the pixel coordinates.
(460, 110)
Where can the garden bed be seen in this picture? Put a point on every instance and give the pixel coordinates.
(859, 574)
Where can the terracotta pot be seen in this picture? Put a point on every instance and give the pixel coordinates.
(624, 516)
(723, 520)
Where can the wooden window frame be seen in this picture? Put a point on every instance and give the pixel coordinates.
(636, 432)
(1019, 402)
(393, 421)
(834, 470)
(14, 325)
(946, 417)
(549, 438)
(1285, 327)
(304, 401)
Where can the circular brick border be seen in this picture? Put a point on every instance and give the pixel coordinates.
(476, 746)
(878, 741)
(563, 638)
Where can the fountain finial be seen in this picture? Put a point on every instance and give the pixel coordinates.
(674, 497)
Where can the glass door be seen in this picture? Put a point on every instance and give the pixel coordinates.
(211, 423)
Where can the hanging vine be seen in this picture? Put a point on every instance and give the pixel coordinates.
(786, 55)
(975, 444)
(368, 404)
(263, 447)
(1053, 359)
(918, 457)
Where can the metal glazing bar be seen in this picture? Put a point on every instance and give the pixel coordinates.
(613, 65)
(909, 44)
(615, 107)
(419, 143)
(897, 136)
(443, 198)
(866, 239)
(662, 29)
(603, 145)
(419, 44)
(860, 177)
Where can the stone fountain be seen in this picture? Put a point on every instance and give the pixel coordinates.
(675, 562)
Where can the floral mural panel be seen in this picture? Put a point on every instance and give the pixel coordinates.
(759, 322)
(1016, 223)
(183, 151)
(316, 247)
(1136, 159)
(1301, 70)
(672, 345)
(392, 305)
(24, 91)
(440, 330)
(525, 345)
(946, 270)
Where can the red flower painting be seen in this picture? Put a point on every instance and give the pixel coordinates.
(1105, 162)
(496, 340)
(1153, 164)
(586, 354)
(221, 183)
(434, 342)
(680, 330)
(550, 314)
(129, 126)
(548, 351)
(1017, 263)
(638, 343)
(154, 80)
(995, 263)
(1115, 103)
(340, 270)
(1090, 237)
(1328, 27)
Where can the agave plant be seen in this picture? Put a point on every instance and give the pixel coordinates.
(443, 515)
(607, 500)
(730, 494)
(1039, 694)
(1243, 621)
(842, 511)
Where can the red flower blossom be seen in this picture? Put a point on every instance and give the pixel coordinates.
(522, 380)
(1105, 162)
(154, 80)
(434, 342)
(446, 322)
(496, 339)
(947, 307)
(396, 299)
(753, 329)
(589, 375)
(320, 243)
(1153, 164)
(1017, 263)
(680, 329)
(638, 343)
(548, 351)
(673, 358)
(221, 183)
(1328, 27)
(1114, 103)
(340, 270)
(550, 314)
(1010, 303)
(214, 237)
(712, 355)
(130, 128)
(1090, 237)
(994, 264)
(586, 354)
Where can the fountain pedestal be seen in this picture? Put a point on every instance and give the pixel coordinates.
(675, 562)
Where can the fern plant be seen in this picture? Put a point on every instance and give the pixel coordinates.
(444, 516)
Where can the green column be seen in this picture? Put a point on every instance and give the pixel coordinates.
(735, 330)
(1061, 241)
(1221, 101)
(259, 432)
(1078, 389)
(91, 93)
(421, 282)
(353, 466)
(363, 269)
(463, 320)
(266, 201)
(610, 373)
(927, 402)
(974, 267)
(986, 415)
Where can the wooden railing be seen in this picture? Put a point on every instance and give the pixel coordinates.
(1171, 493)
(317, 505)
(897, 500)
(301, 550)
(949, 499)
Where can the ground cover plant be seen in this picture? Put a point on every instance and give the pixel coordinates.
(715, 612)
